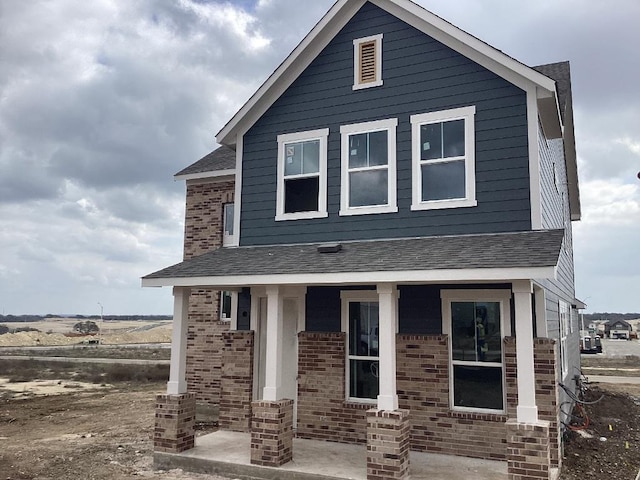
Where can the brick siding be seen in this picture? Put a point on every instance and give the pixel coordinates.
(272, 433)
(423, 389)
(237, 381)
(387, 445)
(528, 451)
(203, 233)
(323, 413)
(174, 423)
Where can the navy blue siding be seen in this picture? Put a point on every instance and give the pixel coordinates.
(420, 75)
(419, 307)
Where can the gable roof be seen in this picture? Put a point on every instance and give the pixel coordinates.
(561, 73)
(220, 162)
(413, 14)
(505, 256)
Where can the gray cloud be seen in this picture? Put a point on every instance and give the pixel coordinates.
(102, 102)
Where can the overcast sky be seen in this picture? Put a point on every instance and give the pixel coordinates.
(101, 102)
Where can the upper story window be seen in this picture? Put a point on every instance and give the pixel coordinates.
(228, 233)
(368, 168)
(367, 62)
(302, 175)
(476, 321)
(443, 152)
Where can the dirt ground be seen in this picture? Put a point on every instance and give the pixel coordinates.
(609, 447)
(107, 434)
(89, 435)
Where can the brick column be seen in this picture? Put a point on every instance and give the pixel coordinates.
(175, 418)
(528, 451)
(236, 385)
(388, 444)
(272, 433)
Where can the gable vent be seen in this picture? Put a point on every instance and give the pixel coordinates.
(368, 62)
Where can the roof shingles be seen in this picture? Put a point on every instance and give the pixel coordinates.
(507, 250)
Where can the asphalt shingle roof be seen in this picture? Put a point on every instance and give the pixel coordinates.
(507, 250)
(222, 158)
(561, 73)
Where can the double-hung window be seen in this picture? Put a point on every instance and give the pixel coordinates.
(443, 152)
(361, 320)
(476, 322)
(369, 168)
(302, 175)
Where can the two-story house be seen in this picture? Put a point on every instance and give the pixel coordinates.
(388, 221)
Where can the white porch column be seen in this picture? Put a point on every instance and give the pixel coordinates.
(388, 303)
(178, 373)
(273, 359)
(527, 409)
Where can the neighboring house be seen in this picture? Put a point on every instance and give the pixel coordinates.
(394, 208)
(618, 329)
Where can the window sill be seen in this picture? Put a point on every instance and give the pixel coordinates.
(281, 217)
(362, 86)
(360, 404)
(442, 204)
(368, 210)
(488, 416)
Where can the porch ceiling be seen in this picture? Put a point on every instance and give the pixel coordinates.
(534, 251)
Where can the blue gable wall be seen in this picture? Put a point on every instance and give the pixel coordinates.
(420, 75)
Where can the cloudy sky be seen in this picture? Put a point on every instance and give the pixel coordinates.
(102, 102)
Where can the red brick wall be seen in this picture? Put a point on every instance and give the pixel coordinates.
(203, 232)
(323, 413)
(237, 381)
(423, 388)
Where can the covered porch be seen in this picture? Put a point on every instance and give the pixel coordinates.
(227, 454)
(501, 269)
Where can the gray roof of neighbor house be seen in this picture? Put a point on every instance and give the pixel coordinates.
(561, 73)
(222, 158)
(530, 249)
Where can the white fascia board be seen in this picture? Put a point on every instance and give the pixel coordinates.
(416, 16)
(360, 278)
(204, 175)
(297, 61)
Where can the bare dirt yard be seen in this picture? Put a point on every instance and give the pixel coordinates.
(98, 424)
(58, 423)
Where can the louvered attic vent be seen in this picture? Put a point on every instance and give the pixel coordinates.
(367, 66)
(368, 62)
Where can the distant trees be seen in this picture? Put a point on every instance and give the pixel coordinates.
(86, 327)
(4, 329)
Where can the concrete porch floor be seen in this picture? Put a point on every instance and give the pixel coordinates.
(228, 454)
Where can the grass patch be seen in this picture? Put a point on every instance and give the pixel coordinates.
(88, 351)
(30, 370)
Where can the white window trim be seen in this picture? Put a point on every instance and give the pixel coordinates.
(501, 296)
(356, 62)
(565, 328)
(390, 125)
(347, 297)
(234, 307)
(228, 240)
(310, 135)
(468, 115)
